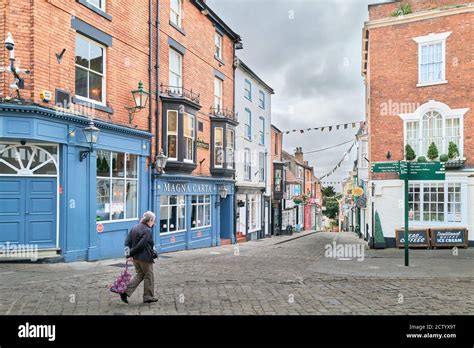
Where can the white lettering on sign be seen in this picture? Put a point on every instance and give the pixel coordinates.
(182, 188)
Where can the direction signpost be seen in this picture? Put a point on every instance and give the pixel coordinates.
(410, 171)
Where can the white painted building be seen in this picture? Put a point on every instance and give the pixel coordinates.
(253, 153)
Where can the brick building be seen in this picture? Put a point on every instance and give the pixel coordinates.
(419, 80)
(277, 178)
(76, 200)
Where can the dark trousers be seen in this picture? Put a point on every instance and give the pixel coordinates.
(144, 273)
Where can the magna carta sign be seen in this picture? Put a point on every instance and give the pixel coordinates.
(357, 191)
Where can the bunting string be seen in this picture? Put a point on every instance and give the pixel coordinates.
(345, 157)
(328, 128)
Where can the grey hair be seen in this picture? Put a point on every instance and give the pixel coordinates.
(149, 216)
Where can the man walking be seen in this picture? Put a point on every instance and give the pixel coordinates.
(139, 244)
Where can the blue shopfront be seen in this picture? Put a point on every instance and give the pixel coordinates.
(194, 212)
(57, 195)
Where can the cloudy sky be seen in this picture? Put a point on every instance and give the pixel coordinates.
(309, 52)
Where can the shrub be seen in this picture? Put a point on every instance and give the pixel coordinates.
(453, 151)
(410, 154)
(433, 152)
(444, 158)
(422, 159)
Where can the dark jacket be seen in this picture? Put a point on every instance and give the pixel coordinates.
(140, 243)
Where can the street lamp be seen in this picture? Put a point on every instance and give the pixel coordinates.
(140, 97)
(223, 191)
(160, 162)
(91, 133)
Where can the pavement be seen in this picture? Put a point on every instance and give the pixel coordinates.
(285, 275)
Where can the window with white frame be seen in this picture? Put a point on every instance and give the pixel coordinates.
(172, 134)
(175, 70)
(176, 12)
(90, 70)
(433, 128)
(261, 99)
(189, 136)
(363, 154)
(435, 202)
(200, 211)
(218, 45)
(432, 58)
(218, 147)
(217, 94)
(248, 124)
(262, 131)
(254, 213)
(248, 90)
(172, 213)
(230, 148)
(100, 4)
(117, 186)
(247, 165)
(261, 166)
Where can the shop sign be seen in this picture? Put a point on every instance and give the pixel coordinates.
(357, 191)
(416, 238)
(100, 228)
(187, 187)
(361, 202)
(449, 237)
(202, 144)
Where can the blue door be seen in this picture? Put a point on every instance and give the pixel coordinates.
(28, 210)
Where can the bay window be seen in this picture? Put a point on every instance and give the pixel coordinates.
(438, 202)
(117, 186)
(172, 135)
(230, 148)
(172, 214)
(189, 137)
(200, 211)
(218, 147)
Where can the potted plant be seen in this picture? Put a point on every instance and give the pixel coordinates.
(433, 152)
(410, 154)
(453, 151)
(444, 158)
(422, 159)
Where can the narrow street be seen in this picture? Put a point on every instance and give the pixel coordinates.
(277, 276)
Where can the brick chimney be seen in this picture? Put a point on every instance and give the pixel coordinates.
(299, 154)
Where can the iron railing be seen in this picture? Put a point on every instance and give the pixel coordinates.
(175, 91)
(222, 112)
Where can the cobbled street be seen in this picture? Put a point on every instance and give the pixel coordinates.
(277, 276)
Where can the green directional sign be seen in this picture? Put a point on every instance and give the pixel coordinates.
(385, 167)
(423, 171)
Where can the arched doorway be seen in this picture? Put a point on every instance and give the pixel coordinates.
(29, 194)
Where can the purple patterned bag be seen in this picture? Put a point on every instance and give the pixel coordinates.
(123, 280)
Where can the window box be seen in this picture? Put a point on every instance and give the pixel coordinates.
(455, 163)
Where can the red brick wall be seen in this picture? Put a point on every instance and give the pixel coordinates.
(276, 141)
(394, 75)
(385, 10)
(42, 28)
(198, 67)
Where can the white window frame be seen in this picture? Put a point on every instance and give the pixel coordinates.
(101, 7)
(446, 184)
(179, 74)
(446, 113)
(230, 148)
(248, 124)
(125, 179)
(104, 73)
(216, 148)
(177, 205)
(218, 39)
(247, 165)
(177, 12)
(248, 91)
(261, 139)
(218, 84)
(261, 99)
(255, 213)
(432, 39)
(186, 138)
(261, 167)
(201, 205)
(175, 133)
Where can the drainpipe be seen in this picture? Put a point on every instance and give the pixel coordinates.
(150, 103)
(157, 101)
(233, 96)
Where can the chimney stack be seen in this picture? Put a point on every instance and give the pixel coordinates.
(299, 154)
